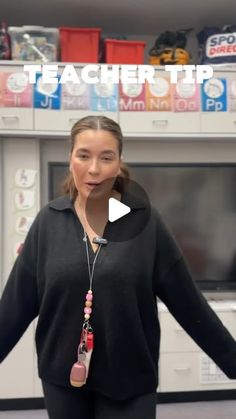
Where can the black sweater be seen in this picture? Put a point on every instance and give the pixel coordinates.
(50, 279)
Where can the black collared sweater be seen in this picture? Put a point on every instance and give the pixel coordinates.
(50, 279)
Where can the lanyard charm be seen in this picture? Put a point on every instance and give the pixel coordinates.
(80, 369)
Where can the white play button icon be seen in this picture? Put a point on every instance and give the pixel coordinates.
(116, 209)
(131, 214)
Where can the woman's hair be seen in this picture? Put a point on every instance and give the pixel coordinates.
(97, 123)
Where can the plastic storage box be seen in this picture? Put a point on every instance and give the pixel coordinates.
(124, 52)
(34, 43)
(79, 45)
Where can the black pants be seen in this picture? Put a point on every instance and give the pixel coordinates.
(71, 403)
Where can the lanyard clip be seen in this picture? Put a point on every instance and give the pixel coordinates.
(87, 327)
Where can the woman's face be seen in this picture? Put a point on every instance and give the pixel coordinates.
(95, 158)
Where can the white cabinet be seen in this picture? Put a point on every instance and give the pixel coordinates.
(16, 371)
(140, 122)
(19, 372)
(16, 119)
(173, 336)
(183, 366)
(223, 122)
(160, 122)
(54, 120)
(179, 372)
(62, 120)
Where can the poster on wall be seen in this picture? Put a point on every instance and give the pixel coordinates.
(24, 200)
(104, 97)
(1, 89)
(16, 90)
(25, 178)
(132, 97)
(232, 95)
(75, 96)
(214, 95)
(158, 95)
(186, 97)
(210, 373)
(46, 95)
(23, 224)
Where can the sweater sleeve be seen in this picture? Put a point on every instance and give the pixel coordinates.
(19, 301)
(176, 288)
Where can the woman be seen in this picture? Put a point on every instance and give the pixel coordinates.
(98, 334)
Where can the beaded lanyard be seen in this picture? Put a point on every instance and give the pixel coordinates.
(79, 371)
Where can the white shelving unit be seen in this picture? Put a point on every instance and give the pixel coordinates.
(149, 137)
(183, 365)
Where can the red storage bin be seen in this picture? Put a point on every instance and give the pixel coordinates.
(79, 45)
(124, 52)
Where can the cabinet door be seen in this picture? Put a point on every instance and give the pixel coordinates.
(62, 120)
(178, 372)
(16, 371)
(160, 122)
(173, 337)
(218, 122)
(16, 119)
(191, 372)
(228, 318)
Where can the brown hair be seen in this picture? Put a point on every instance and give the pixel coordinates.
(97, 123)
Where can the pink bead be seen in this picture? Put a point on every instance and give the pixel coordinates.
(89, 297)
(87, 310)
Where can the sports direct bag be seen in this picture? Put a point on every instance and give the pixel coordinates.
(216, 45)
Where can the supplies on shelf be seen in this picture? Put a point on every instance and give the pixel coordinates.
(102, 46)
(34, 43)
(79, 44)
(124, 51)
(217, 45)
(169, 48)
(5, 52)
